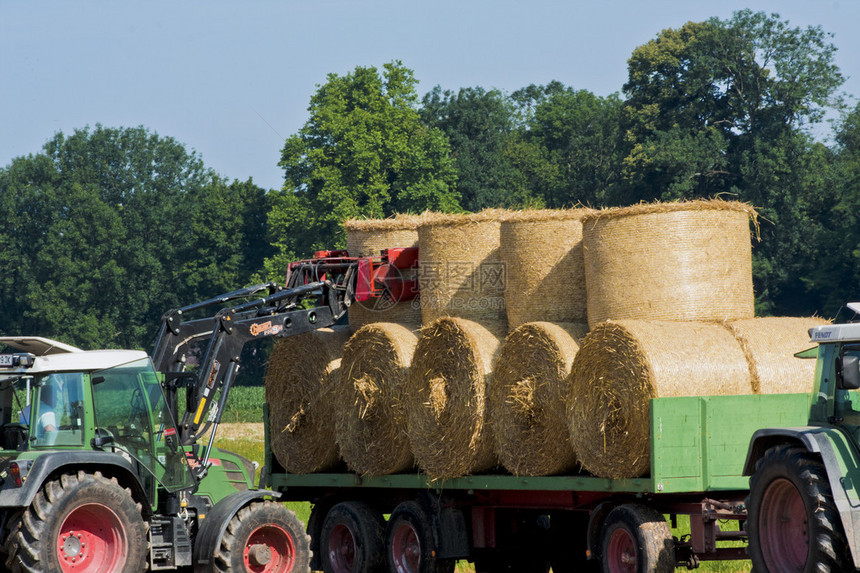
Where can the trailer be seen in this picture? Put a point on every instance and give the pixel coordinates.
(570, 523)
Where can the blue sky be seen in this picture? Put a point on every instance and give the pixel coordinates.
(232, 79)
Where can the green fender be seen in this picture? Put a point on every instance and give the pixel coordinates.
(841, 461)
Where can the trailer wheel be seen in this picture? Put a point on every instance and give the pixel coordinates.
(267, 537)
(409, 543)
(353, 539)
(793, 524)
(637, 539)
(82, 523)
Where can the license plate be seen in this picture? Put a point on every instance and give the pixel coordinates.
(6, 359)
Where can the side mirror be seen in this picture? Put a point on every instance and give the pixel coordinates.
(849, 375)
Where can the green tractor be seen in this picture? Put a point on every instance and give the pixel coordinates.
(804, 500)
(104, 469)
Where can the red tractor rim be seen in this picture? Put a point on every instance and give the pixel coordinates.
(621, 552)
(783, 527)
(406, 548)
(341, 549)
(269, 549)
(92, 539)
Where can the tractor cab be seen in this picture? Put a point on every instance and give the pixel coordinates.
(110, 401)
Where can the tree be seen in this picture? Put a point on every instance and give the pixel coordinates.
(363, 152)
(725, 107)
(579, 133)
(109, 228)
(480, 126)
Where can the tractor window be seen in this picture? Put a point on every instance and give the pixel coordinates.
(56, 413)
(129, 407)
(847, 403)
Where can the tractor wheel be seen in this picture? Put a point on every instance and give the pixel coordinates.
(637, 539)
(353, 539)
(793, 524)
(409, 543)
(83, 523)
(264, 537)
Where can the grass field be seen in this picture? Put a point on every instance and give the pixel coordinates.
(246, 438)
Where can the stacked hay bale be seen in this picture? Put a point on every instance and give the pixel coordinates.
(445, 398)
(370, 418)
(300, 390)
(367, 237)
(674, 282)
(770, 344)
(461, 272)
(669, 261)
(527, 397)
(461, 277)
(541, 251)
(622, 365)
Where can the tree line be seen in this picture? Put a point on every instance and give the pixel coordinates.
(107, 228)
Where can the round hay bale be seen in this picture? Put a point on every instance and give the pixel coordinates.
(300, 384)
(368, 237)
(622, 365)
(770, 344)
(669, 261)
(369, 416)
(542, 255)
(461, 272)
(527, 396)
(445, 397)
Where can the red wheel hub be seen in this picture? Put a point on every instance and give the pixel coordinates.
(783, 527)
(406, 549)
(341, 549)
(269, 549)
(92, 539)
(621, 552)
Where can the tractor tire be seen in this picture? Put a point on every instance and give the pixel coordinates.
(409, 542)
(83, 523)
(793, 524)
(636, 539)
(353, 539)
(264, 536)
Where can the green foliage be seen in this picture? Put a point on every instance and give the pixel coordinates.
(577, 133)
(244, 405)
(480, 127)
(723, 107)
(109, 228)
(362, 153)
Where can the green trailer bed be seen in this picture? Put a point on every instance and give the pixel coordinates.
(698, 444)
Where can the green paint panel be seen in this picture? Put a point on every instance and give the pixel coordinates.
(700, 443)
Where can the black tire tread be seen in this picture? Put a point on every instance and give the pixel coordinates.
(27, 545)
(370, 540)
(651, 532)
(232, 543)
(829, 543)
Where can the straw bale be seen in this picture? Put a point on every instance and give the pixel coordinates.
(669, 261)
(527, 396)
(622, 365)
(770, 344)
(445, 397)
(545, 274)
(368, 237)
(369, 416)
(461, 272)
(300, 383)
